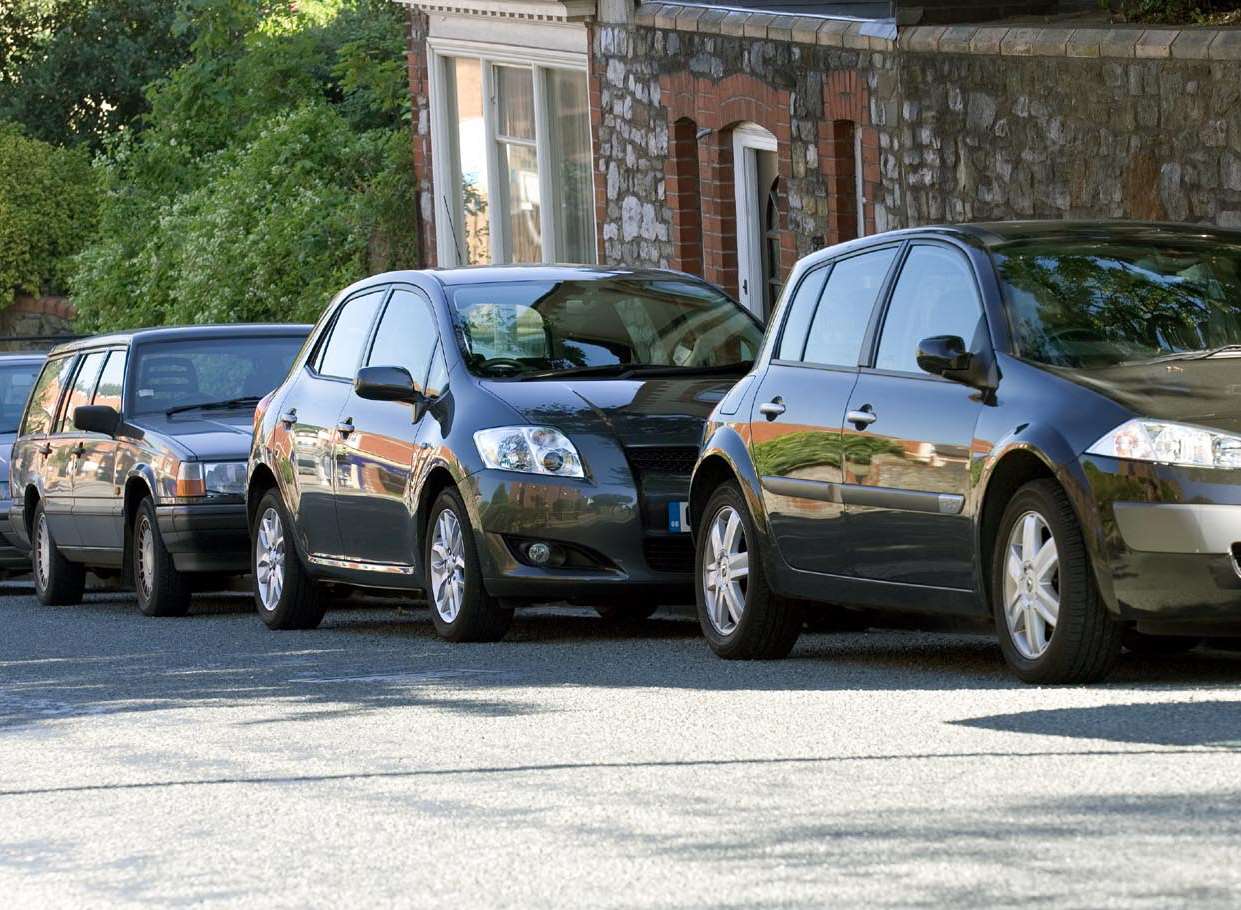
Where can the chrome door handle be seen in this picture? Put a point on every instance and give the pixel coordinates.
(862, 418)
(46, 450)
(289, 417)
(772, 409)
(345, 427)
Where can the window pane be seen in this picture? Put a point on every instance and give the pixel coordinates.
(83, 386)
(406, 336)
(568, 112)
(935, 295)
(467, 132)
(801, 309)
(349, 335)
(111, 381)
(46, 395)
(524, 242)
(845, 310)
(515, 102)
(15, 382)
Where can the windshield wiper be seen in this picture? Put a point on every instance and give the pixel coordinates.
(627, 370)
(1203, 354)
(245, 401)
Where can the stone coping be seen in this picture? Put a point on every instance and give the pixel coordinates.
(996, 40)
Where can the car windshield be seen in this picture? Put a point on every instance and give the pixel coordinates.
(171, 375)
(1090, 304)
(608, 327)
(15, 382)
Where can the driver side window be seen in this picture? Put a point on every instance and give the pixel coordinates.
(341, 351)
(935, 295)
(406, 336)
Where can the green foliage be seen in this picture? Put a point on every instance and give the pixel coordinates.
(48, 207)
(273, 171)
(792, 452)
(73, 71)
(1179, 12)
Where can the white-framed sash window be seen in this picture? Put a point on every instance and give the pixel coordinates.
(513, 164)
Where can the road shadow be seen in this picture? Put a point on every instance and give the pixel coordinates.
(1189, 723)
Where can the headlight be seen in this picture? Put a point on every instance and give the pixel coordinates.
(530, 450)
(222, 478)
(1170, 443)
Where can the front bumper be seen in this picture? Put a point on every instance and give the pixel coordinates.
(211, 537)
(616, 530)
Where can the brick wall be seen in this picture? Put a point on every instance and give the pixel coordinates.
(420, 91)
(28, 317)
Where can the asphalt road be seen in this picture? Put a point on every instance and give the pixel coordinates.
(208, 761)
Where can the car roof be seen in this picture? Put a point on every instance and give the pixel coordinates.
(491, 274)
(182, 332)
(22, 357)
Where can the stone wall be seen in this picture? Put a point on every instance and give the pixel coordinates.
(28, 318)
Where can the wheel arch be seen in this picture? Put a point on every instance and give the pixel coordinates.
(138, 486)
(261, 479)
(438, 479)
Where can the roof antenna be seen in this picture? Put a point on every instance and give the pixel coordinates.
(456, 241)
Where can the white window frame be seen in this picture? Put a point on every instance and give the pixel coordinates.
(447, 226)
(749, 138)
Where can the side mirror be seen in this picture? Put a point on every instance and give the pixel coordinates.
(388, 384)
(96, 418)
(941, 355)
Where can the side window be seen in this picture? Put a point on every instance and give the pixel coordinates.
(844, 312)
(935, 295)
(800, 312)
(83, 387)
(406, 336)
(42, 406)
(111, 381)
(437, 379)
(341, 351)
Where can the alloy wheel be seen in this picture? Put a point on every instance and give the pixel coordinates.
(1031, 585)
(146, 556)
(447, 566)
(726, 570)
(43, 552)
(269, 559)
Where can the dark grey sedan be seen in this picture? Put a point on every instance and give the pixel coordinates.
(130, 459)
(494, 436)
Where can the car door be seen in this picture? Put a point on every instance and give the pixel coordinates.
(377, 440)
(907, 457)
(796, 428)
(97, 500)
(311, 410)
(67, 447)
(40, 456)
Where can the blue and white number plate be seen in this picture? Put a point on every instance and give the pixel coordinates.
(678, 517)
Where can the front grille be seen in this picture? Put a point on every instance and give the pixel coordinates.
(670, 554)
(677, 460)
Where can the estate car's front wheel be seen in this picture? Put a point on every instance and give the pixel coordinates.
(1053, 627)
(162, 590)
(740, 616)
(284, 593)
(461, 608)
(57, 581)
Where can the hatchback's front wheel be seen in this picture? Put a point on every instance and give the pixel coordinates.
(284, 593)
(1052, 625)
(461, 608)
(741, 617)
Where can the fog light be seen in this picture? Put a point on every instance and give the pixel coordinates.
(539, 553)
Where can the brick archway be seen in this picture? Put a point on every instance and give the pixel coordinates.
(846, 130)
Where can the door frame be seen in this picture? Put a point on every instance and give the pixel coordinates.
(748, 140)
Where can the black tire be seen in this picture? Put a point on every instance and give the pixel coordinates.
(1136, 642)
(769, 624)
(1084, 643)
(620, 613)
(296, 600)
(162, 590)
(478, 616)
(57, 581)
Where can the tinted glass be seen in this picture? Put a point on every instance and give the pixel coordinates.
(800, 312)
(46, 395)
(537, 327)
(342, 352)
(1089, 303)
(173, 374)
(16, 380)
(437, 379)
(111, 381)
(83, 388)
(844, 312)
(935, 295)
(406, 335)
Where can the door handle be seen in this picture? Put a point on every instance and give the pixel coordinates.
(772, 409)
(863, 417)
(80, 450)
(345, 427)
(289, 417)
(46, 450)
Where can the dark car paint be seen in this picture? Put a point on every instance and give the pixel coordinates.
(893, 550)
(378, 519)
(207, 536)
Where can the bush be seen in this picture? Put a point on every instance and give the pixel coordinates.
(48, 209)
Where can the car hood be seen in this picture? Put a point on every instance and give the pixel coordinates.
(208, 436)
(657, 411)
(1202, 392)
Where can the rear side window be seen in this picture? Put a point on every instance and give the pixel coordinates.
(16, 381)
(406, 335)
(111, 381)
(42, 407)
(341, 352)
(935, 295)
(83, 388)
(801, 311)
(844, 312)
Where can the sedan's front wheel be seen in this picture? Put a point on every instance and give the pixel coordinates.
(162, 590)
(57, 581)
(284, 593)
(741, 617)
(461, 608)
